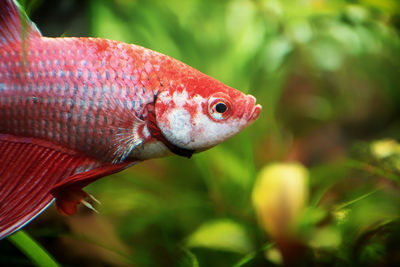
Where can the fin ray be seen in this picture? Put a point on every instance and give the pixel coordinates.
(69, 192)
(14, 23)
(29, 170)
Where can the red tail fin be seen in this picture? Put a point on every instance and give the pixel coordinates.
(14, 23)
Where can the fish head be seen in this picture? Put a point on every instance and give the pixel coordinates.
(201, 112)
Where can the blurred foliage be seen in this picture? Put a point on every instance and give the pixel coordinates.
(327, 73)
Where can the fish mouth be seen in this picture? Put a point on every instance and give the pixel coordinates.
(255, 111)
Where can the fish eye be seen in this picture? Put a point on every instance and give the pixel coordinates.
(219, 108)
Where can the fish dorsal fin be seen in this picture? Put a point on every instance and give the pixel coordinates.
(33, 172)
(15, 24)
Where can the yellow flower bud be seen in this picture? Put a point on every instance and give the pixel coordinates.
(280, 196)
(385, 148)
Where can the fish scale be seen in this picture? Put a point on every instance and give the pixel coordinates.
(80, 114)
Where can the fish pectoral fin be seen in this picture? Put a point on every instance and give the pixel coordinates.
(29, 170)
(128, 135)
(68, 193)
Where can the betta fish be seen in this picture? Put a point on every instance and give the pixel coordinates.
(73, 110)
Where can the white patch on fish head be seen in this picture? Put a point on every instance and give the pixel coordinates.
(180, 125)
(173, 118)
(196, 123)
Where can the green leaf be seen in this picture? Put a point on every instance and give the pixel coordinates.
(38, 255)
(246, 259)
(190, 259)
(223, 235)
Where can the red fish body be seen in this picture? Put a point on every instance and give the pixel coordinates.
(83, 93)
(73, 110)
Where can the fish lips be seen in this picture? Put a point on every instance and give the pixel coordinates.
(254, 109)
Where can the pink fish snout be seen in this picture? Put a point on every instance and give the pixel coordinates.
(254, 108)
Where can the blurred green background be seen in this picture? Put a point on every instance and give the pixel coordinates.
(327, 73)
